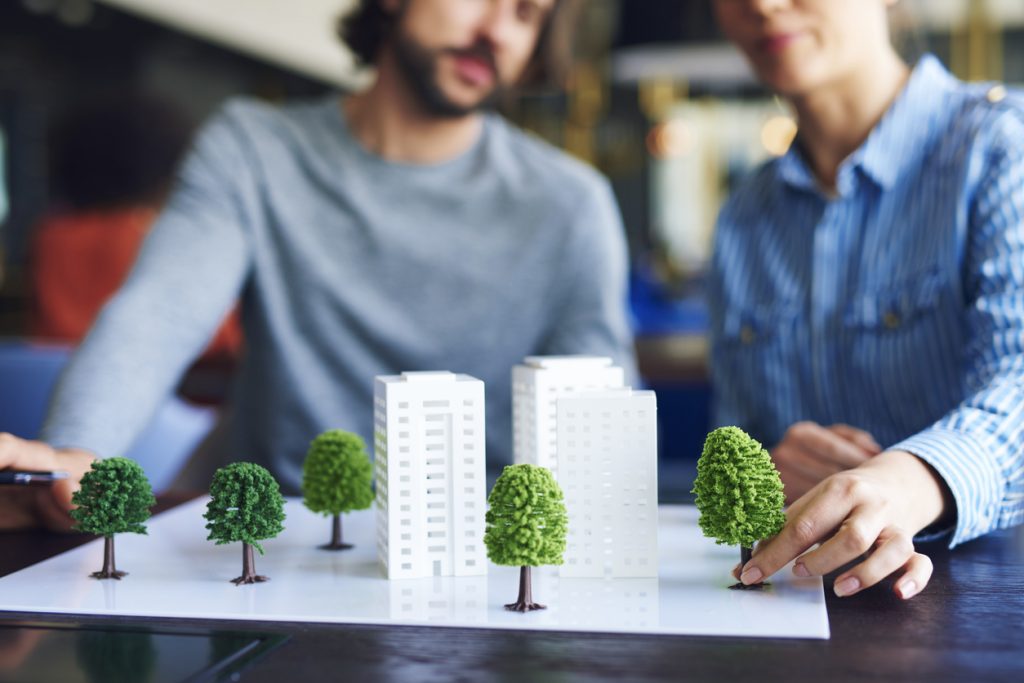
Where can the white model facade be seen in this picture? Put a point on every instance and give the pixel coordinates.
(608, 471)
(536, 386)
(429, 471)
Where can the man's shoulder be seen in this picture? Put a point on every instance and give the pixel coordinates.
(258, 120)
(539, 164)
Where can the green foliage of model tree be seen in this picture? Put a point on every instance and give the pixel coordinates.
(115, 498)
(337, 477)
(245, 505)
(739, 492)
(526, 525)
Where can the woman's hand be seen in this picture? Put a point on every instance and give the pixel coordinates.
(874, 509)
(809, 453)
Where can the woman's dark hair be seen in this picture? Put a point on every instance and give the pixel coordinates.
(117, 150)
(367, 26)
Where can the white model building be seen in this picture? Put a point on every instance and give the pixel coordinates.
(536, 385)
(430, 474)
(608, 472)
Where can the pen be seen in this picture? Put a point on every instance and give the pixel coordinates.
(27, 478)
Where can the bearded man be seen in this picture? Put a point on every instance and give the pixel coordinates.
(406, 227)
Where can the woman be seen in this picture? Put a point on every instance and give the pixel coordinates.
(872, 279)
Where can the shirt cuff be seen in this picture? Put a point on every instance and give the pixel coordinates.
(969, 472)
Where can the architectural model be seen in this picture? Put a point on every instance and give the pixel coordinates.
(526, 522)
(608, 470)
(430, 474)
(337, 477)
(115, 498)
(739, 492)
(245, 505)
(536, 386)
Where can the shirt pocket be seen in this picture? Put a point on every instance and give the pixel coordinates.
(756, 365)
(898, 306)
(754, 325)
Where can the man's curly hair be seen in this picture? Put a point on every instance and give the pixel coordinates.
(367, 26)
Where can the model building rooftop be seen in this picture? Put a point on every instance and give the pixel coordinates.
(424, 377)
(545, 362)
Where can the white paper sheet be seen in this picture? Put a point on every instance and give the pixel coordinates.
(175, 572)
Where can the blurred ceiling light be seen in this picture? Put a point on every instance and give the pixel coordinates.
(670, 139)
(777, 134)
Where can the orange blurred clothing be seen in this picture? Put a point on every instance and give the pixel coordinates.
(80, 259)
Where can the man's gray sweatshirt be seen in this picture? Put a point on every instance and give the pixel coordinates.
(349, 266)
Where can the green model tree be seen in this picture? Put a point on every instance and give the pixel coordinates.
(526, 525)
(337, 477)
(115, 498)
(245, 505)
(739, 492)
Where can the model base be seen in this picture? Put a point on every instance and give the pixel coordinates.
(335, 546)
(739, 586)
(524, 607)
(108, 575)
(252, 578)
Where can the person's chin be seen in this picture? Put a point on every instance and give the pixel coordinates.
(469, 98)
(787, 82)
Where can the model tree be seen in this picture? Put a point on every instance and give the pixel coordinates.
(337, 477)
(115, 498)
(245, 505)
(526, 525)
(739, 492)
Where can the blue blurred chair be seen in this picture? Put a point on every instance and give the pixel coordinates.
(28, 374)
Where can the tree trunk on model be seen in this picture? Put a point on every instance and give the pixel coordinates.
(525, 603)
(248, 567)
(336, 543)
(109, 571)
(745, 555)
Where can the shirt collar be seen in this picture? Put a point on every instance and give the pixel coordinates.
(897, 142)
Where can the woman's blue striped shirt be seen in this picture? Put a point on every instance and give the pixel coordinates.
(895, 304)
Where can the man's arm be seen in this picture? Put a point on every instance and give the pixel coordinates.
(187, 276)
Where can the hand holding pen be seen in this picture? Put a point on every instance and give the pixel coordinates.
(42, 479)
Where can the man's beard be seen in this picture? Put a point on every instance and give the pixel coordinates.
(419, 68)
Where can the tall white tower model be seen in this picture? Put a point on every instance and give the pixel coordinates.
(536, 385)
(608, 471)
(429, 470)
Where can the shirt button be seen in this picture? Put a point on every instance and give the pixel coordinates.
(747, 335)
(996, 93)
(891, 320)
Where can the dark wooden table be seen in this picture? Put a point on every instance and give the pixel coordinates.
(967, 626)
